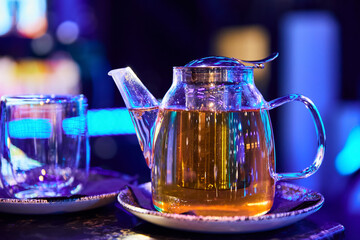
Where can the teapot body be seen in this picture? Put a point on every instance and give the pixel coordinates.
(214, 163)
(213, 147)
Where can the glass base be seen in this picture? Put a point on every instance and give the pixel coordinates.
(46, 192)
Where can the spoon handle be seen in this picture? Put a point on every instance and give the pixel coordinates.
(267, 59)
(260, 63)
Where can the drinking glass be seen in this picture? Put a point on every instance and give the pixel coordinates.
(44, 145)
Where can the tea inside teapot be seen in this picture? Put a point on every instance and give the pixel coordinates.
(217, 163)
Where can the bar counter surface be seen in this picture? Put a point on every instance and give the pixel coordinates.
(113, 222)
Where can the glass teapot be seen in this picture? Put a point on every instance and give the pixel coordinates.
(209, 142)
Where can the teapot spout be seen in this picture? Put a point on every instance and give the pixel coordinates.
(133, 91)
(142, 105)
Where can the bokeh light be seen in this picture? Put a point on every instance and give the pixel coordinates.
(5, 17)
(101, 122)
(67, 32)
(248, 43)
(348, 161)
(32, 20)
(105, 147)
(42, 45)
(110, 122)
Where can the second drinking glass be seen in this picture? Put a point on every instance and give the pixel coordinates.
(44, 145)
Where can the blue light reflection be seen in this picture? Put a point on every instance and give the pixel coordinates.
(348, 160)
(310, 65)
(354, 200)
(100, 122)
(115, 121)
(30, 128)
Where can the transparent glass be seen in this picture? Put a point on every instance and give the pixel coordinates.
(209, 142)
(44, 145)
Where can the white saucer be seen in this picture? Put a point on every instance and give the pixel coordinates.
(239, 224)
(102, 188)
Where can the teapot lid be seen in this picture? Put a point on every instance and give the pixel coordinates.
(219, 69)
(215, 61)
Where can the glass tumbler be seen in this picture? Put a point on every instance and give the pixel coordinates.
(44, 145)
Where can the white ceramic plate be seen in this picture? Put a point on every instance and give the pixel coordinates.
(239, 224)
(102, 188)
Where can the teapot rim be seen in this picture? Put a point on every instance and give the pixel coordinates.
(215, 67)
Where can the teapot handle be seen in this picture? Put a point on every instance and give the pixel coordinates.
(320, 132)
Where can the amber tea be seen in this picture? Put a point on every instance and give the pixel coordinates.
(213, 163)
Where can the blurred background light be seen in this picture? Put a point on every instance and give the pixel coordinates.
(310, 65)
(101, 122)
(105, 147)
(57, 75)
(30, 128)
(5, 17)
(42, 45)
(353, 204)
(32, 20)
(74, 125)
(67, 32)
(248, 43)
(110, 122)
(348, 160)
